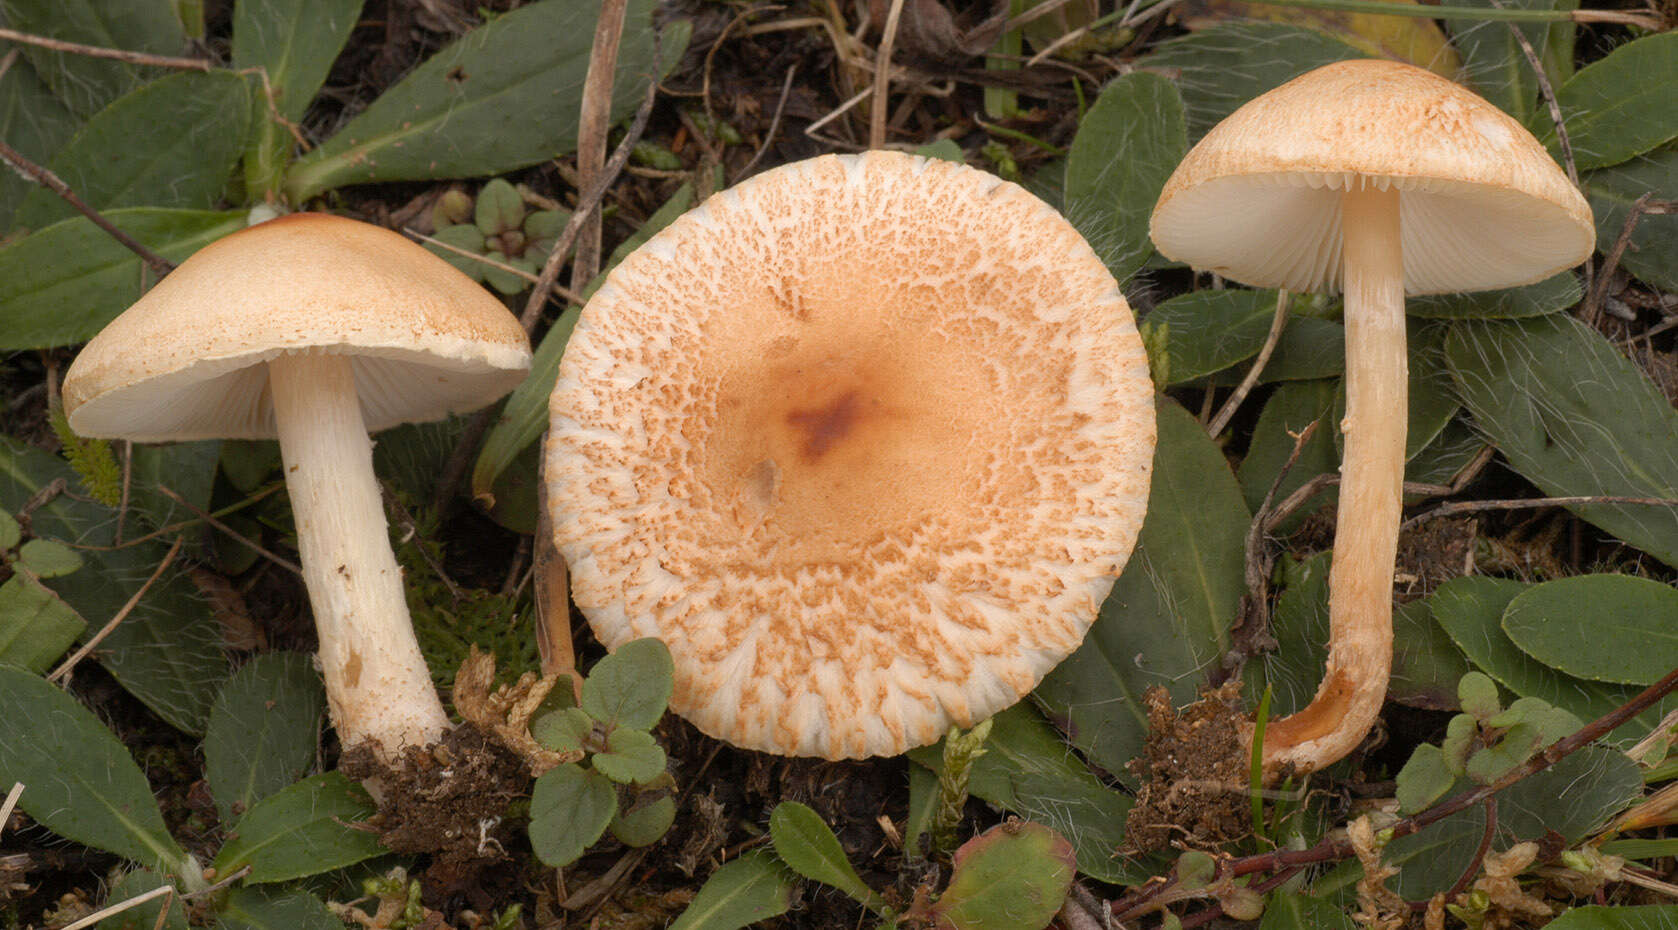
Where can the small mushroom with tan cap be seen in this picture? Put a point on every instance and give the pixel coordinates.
(314, 329)
(865, 440)
(1377, 179)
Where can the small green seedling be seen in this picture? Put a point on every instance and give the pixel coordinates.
(498, 227)
(621, 784)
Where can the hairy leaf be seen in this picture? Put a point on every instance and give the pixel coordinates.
(263, 729)
(275, 909)
(84, 83)
(1630, 637)
(304, 829)
(294, 42)
(1652, 251)
(751, 888)
(1618, 107)
(36, 627)
(808, 847)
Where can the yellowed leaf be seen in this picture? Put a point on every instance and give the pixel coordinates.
(1412, 39)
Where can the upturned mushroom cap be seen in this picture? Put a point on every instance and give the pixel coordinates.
(185, 362)
(1484, 205)
(865, 440)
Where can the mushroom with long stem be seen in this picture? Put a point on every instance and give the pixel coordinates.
(1377, 179)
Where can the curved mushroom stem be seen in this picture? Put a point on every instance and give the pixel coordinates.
(1371, 488)
(377, 685)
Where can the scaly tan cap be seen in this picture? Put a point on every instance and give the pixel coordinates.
(185, 362)
(865, 440)
(1484, 205)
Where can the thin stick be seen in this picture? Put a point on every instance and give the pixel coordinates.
(10, 803)
(64, 670)
(557, 288)
(1599, 294)
(33, 172)
(121, 906)
(591, 130)
(230, 532)
(1526, 503)
(882, 77)
(774, 124)
(116, 54)
(1277, 323)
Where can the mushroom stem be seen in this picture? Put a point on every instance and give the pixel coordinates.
(377, 684)
(1371, 487)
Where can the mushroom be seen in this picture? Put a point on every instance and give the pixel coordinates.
(865, 440)
(314, 329)
(1378, 179)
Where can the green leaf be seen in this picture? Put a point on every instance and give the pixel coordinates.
(145, 916)
(1220, 68)
(461, 236)
(87, 84)
(1429, 861)
(1299, 623)
(645, 825)
(1013, 876)
(46, 558)
(498, 209)
(275, 909)
(1596, 917)
(33, 121)
(471, 108)
(11, 532)
(1614, 628)
(1477, 695)
(1573, 798)
(1027, 770)
(569, 809)
(80, 782)
(525, 415)
(1618, 107)
(263, 729)
(1426, 664)
(1652, 252)
(1169, 613)
(946, 149)
(1576, 418)
(631, 756)
(1551, 295)
(1293, 407)
(168, 652)
(1290, 910)
(1211, 330)
(294, 42)
(172, 143)
(753, 887)
(1127, 145)
(563, 730)
(1424, 779)
(632, 686)
(61, 285)
(808, 847)
(186, 468)
(1471, 611)
(36, 627)
(303, 829)
(1493, 63)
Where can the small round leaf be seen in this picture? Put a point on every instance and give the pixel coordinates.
(569, 809)
(631, 687)
(645, 825)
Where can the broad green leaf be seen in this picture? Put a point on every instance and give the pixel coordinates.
(632, 686)
(1127, 145)
(172, 143)
(1310, 348)
(1596, 917)
(1652, 252)
(186, 468)
(11, 532)
(1618, 107)
(506, 95)
(62, 284)
(1493, 63)
(275, 909)
(525, 415)
(262, 732)
(87, 84)
(306, 828)
(1424, 779)
(294, 42)
(645, 825)
(1027, 770)
(79, 780)
(33, 121)
(1299, 622)
(144, 916)
(807, 845)
(1223, 67)
(47, 558)
(1426, 663)
(569, 808)
(1410, 39)
(1210, 330)
(753, 887)
(36, 627)
(1290, 910)
(1573, 798)
(168, 652)
(1011, 877)
(1574, 417)
(1551, 295)
(1428, 861)
(1291, 409)
(1613, 628)
(1168, 616)
(1471, 611)
(631, 756)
